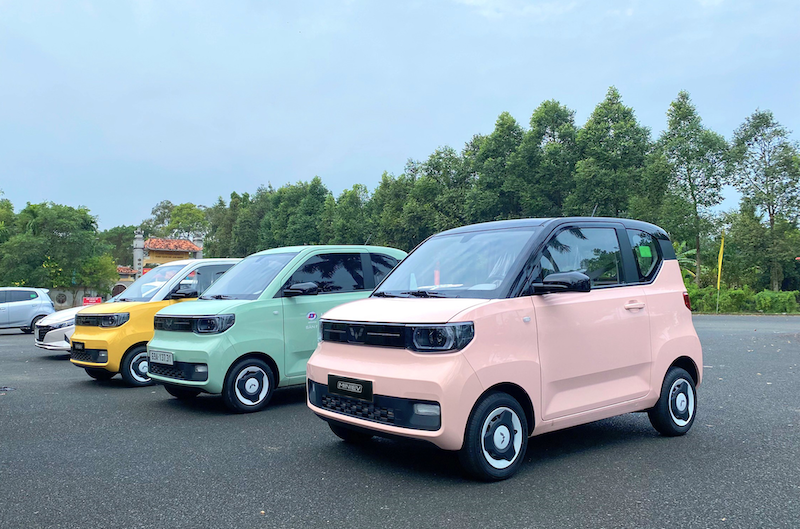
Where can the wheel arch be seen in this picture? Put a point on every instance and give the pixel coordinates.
(261, 356)
(688, 365)
(519, 394)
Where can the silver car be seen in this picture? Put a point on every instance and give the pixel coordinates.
(22, 307)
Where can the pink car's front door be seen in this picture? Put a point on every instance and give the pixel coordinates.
(594, 347)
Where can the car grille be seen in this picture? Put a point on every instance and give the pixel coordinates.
(364, 333)
(356, 408)
(41, 331)
(165, 370)
(81, 356)
(172, 323)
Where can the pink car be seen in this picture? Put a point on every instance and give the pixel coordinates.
(488, 334)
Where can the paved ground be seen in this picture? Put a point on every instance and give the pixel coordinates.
(79, 453)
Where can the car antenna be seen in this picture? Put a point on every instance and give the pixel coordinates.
(595, 209)
(368, 238)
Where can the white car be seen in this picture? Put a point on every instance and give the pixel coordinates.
(54, 331)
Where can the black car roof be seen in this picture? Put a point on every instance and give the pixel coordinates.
(556, 221)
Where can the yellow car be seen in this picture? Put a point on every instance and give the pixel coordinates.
(112, 338)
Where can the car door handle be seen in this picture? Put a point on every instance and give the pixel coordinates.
(634, 305)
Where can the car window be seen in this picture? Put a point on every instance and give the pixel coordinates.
(645, 253)
(593, 251)
(333, 272)
(22, 295)
(203, 277)
(382, 264)
(3, 298)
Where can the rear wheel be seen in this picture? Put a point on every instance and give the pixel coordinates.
(676, 408)
(28, 330)
(348, 435)
(99, 374)
(134, 367)
(495, 439)
(180, 392)
(248, 386)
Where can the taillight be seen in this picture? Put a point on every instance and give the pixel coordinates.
(687, 301)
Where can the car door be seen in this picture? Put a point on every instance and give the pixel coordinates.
(3, 309)
(340, 279)
(594, 347)
(21, 305)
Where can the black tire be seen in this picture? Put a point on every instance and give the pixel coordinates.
(676, 408)
(29, 330)
(180, 392)
(134, 367)
(99, 373)
(496, 438)
(248, 386)
(348, 435)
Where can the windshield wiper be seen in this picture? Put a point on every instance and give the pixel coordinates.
(422, 294)
(125, 299)
(384, 295)
(217, 296)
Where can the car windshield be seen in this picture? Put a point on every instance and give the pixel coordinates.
(467, 265)
(249, 278)
(144, 288)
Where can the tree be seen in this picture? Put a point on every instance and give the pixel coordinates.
(698, 157)
(185, 220)
(348, 216)
(120, 241)
(156, 225)
(767, 174)
(613, 147)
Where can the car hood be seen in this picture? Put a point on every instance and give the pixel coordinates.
(112, 308)
(61, 316)
(203, 307)
(403, 310)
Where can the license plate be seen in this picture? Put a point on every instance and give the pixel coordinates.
(350, 387)
(78, 346)
(161, 357)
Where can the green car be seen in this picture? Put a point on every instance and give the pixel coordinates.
(255, 328)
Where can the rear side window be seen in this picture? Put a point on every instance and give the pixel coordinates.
(332, 272)
(382, 264)
(22, 295)
(3, 296)
(593, 251)
(645, 253)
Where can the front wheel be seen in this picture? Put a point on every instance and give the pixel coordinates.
(675, 410)
(496, 438)
(28, 330)
(99, 374)
(248, 386)
(180, 392)
(134, 367)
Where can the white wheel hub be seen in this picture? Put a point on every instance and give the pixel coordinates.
(139, 367)
(501, 437)
(681, 402)
(251, 385)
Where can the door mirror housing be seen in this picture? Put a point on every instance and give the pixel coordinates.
(563, 282)
(301, 289)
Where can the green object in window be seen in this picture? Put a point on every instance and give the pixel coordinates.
(645, 251)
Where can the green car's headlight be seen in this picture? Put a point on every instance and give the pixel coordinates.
(213, 324)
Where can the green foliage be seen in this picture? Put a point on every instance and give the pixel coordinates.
(120, 240)
(743, 300)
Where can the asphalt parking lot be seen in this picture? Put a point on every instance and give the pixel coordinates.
(79, 453)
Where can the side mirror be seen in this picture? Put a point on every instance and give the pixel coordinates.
(183, 293)
(301, 289)
(563, 282)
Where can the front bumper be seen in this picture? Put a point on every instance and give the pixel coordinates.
(400, 378)
(190, 352)
(53, 339)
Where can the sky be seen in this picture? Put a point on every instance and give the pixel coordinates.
(118, 105)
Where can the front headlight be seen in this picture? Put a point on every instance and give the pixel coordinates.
(63, 324)
(213, 324)
(440, 338)
(114, 320)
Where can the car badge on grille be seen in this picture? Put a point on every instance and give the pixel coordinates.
(350, 386)
(168, 324)
(356, 333)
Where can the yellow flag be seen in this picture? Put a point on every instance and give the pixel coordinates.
(719, 260)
